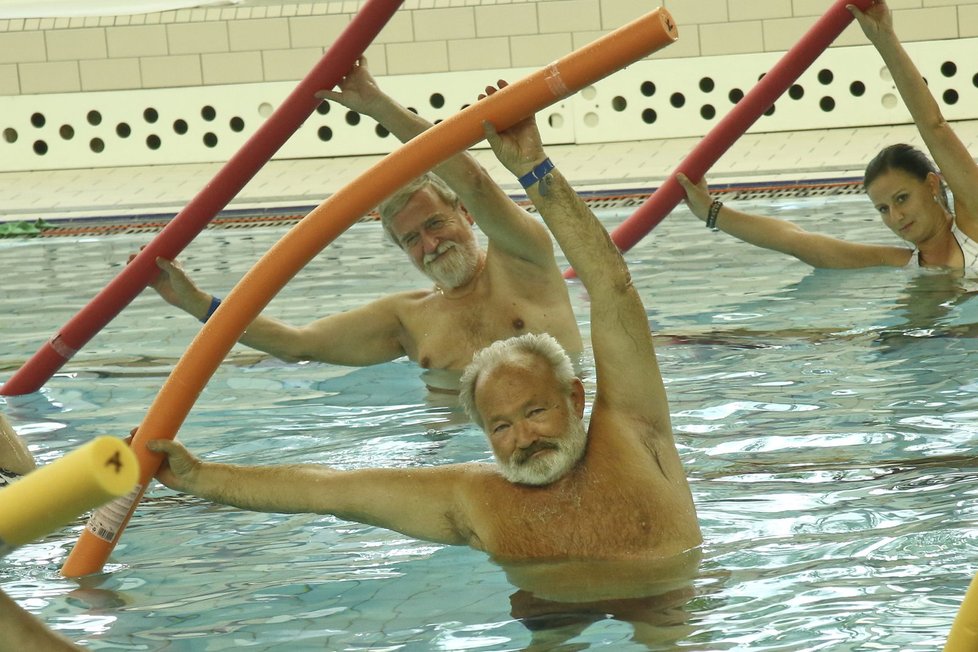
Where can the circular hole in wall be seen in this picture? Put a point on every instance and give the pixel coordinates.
(647, 88)
(825, 76)
(207, 112)
(827, 104)
(151, 115)
(857, 88)
(555, 120)
(649, 116)
(10, 135)
(325, 133)
(381, 131)
(237, 124)
(949, 69)
(708, 112)
(40, 147)
(97, 145)
(678, 100)
(591, 119)
(153, 141)
(437, 100)
(618, 103)
(323, 107)
(974, 80)
(38, 120)
(210, 139)
(94, 118)
(265, 109)
(707, 84)
(180, 126)
(770, 111)
(123, 130)
(889, 101)
(950, 96)
(589, 93)
(353, 118)
(735, 95)
(67, 132)
(796, 92)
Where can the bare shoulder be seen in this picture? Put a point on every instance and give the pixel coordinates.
(407, 299)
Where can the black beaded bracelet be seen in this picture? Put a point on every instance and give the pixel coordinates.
(711, 218)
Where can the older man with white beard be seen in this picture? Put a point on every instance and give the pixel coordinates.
(511, 287)
(610, 499)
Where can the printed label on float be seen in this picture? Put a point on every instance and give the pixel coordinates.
(106, 521)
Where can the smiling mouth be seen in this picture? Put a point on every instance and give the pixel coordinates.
(437, 255)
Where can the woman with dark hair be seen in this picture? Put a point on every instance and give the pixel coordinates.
(907, 188)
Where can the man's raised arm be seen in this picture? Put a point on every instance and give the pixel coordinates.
(505, 224)
(628, 379)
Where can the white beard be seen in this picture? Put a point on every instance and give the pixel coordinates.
(564, 453)
(451, 265)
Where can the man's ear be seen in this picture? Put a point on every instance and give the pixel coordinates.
(577, 397)
(466, 213)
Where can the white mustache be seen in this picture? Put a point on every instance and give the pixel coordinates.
(439, 250)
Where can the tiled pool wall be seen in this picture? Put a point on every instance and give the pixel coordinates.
(190, 86)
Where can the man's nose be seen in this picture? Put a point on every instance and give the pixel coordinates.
(429, 242)
(525, 433)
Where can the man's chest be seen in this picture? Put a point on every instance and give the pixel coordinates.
(447, 334)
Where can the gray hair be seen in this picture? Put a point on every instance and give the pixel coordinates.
(511, 351)
(396, 202)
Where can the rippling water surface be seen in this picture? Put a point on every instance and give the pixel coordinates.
(826, 420)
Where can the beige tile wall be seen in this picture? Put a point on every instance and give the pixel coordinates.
(278, 43)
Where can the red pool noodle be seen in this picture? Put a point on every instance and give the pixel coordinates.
(185, 226)
(327, 221)
(760, 98)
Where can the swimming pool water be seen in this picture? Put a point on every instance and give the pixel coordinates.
(804, 403)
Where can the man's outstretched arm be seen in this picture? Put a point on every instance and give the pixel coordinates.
(425, 503)
(366, 335)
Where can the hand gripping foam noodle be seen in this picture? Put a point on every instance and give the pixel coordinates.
(51, 496)
(231, 178)
(246, 300)
(726, 132)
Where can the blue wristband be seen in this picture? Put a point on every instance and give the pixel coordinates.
(536, 173)
(215, 302)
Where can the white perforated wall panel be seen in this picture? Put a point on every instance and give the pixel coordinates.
(650, 100)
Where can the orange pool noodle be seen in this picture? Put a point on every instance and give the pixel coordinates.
(248, 298)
